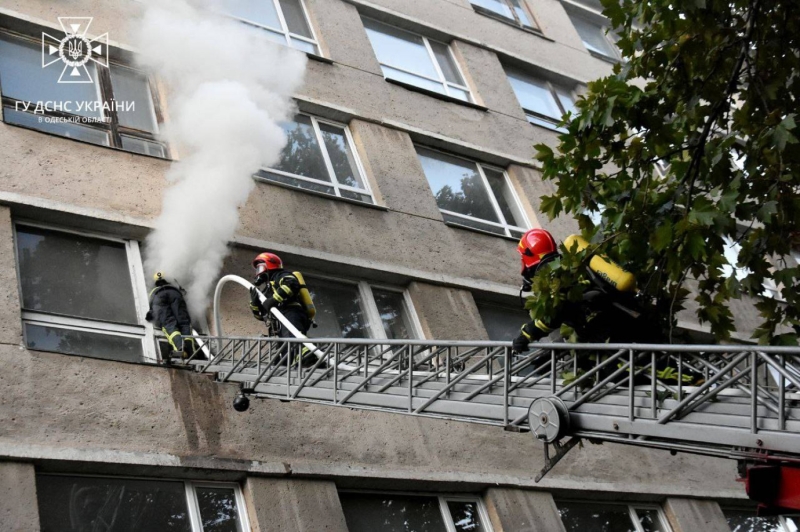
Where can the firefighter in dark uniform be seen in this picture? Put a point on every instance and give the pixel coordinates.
(287, 292)
(608, 311)
(168, 311)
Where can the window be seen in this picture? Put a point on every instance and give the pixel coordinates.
(319, 156)
(72, 503)
(473, 195)
(360, 310)
(415, 60)
(76, 110)
(544, 103)
(502, 322)
(596, 37)
(585, 517)
(509, 10)
(82, 295)
(284, 21)
(743, 520)
(373, 512)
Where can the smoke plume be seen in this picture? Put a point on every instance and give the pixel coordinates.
(228, 88)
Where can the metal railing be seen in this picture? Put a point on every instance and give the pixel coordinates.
(734, 401)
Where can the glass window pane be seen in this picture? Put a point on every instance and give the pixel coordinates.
(446, 62)
(22, 77)
(341, 155)
(395, 319)
(88, 344)
(533, 94)
(504, 196)
(218, 509)
(792, 524)
(565, 98)
(391, 513)
(73, 275)
(356, 196)
(77, 504)
(747, 521)
(649, 520)
(339, 310)
(295, 18)
(457, 185)
(458, 93)
(50, 124)
(302, 154)
(502, 323)
(132, 86)
(400, 49)
(522, 15)
(466, 517)
(593, 36)
(146, 147)
(497, 6)
(304, 46)
(411, 79)
(259, 11)
(585, 517)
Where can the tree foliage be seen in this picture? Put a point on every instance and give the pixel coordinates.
(709, 88)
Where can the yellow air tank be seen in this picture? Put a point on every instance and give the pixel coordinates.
(305, 297)
(608, 270)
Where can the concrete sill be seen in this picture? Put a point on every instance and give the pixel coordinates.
(321, 194)
(508, 22)
(607, 59)
(436, 95)
(320, 58)
(481, 231)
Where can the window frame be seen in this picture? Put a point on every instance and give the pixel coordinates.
(594, 18)
(144, 331)
(781, 517)
(369, 307)
(550, 121)
(631, 507)
(334, 182)
(512, 21)
(109, 122)
(192, 504)
(442, 499)
(506, 227)
(284, 30)
(442, 79)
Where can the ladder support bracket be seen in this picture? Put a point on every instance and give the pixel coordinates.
(561, 450)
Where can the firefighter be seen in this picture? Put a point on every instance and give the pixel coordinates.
(168, 311)
(287, 292)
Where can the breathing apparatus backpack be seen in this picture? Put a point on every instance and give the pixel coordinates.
(304, 296)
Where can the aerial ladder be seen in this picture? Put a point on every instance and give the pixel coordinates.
(746, 408)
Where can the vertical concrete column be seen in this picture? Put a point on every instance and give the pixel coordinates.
(447, 313)
(19, 509)
(289, 505)
(691, 515)
(10, 322)
(515, 510)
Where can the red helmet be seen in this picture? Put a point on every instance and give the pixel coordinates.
(535, 245)
(267, 262)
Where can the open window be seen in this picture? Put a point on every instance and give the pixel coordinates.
(82, 294)
(593, 29)
(283, 21)
(117, 108)
(512, 11)
(544, 102)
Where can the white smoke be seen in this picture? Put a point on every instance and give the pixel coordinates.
(228, 88)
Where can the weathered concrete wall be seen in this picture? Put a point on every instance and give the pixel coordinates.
(447, 313)
(513, 510)
(278, 505)
(10, 325)
(690, 515)
(59, 407)
(19, 509)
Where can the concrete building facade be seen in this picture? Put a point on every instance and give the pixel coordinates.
(399, 97)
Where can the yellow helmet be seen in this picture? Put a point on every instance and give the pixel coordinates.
(159, 276)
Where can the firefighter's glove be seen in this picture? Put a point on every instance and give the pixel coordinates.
(520, 344)
(149, 315)
(255, 303)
